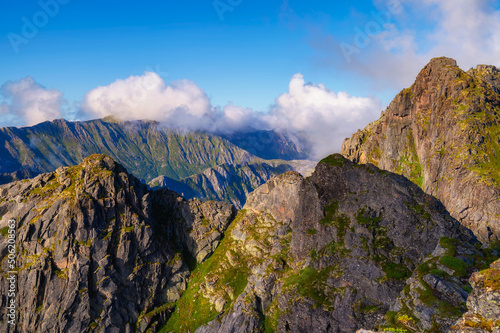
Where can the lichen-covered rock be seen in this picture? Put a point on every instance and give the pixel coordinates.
(443, 134)
(96, 250)
(330, 253)
(483, 303)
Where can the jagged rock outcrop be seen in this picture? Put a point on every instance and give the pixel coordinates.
(330, 253)
(443, 134)
(97, 251)
(202, 225)
(483, 303)
(436, 294)
(229, 182)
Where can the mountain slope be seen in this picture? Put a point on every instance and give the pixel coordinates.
(443, 133)
(143, 147)
(228, 182)
(97, 251)
(271, 144)
(330, 253)
(146, 148)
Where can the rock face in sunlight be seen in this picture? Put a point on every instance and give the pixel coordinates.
(483, 303)
(443, 133)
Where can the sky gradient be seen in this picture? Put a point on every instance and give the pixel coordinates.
(336, 62)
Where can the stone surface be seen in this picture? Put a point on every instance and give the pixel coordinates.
(442, 133)
(230, 182)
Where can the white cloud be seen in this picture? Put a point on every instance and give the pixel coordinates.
(469, 31)
(148, 97)
(324, 116)
(29, 103)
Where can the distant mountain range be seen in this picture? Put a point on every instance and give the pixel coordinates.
(149, 151)
(231, 182)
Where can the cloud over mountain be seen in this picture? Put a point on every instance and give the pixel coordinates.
(324, 116)
(29, 103)
(148, 97)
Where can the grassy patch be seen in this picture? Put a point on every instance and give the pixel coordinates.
(450, 244)
(4, 231)
(396, 271)
(490, 278)
(409, 163)
(419, 210)
(336, 160)
(272, 314)
(310, 283)
(311, 231)
(457, 265)
(426, 295)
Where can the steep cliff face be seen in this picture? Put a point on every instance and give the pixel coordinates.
(443, 133)
(330, 253)
(97, 251)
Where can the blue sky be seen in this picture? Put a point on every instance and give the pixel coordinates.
(239, 53)
(247, 58)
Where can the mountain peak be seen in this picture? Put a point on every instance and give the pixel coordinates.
(101, 161)
(442, 133)
(439, 70)
(442, 62)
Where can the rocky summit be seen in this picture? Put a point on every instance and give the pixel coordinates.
(443, 133)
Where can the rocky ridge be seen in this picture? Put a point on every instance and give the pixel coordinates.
(483, 303)
(443, 133)
(350, 247)
(98, 251)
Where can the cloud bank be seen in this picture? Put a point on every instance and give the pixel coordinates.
(29, 103)
(325, 117)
